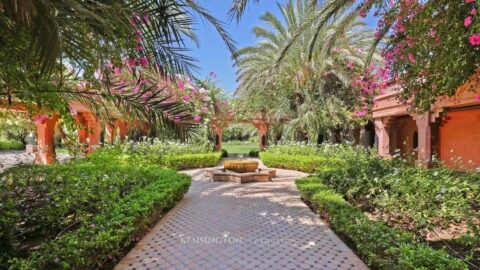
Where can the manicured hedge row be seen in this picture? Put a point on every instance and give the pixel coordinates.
(106, 238)
(308, 164)
(10, 145)
(80, 214)
(190, 161)
(382, 246)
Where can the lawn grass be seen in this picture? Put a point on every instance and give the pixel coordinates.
(239, 147)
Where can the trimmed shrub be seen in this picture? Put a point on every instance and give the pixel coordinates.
(70, 215)
(308, 164)
(105, 238)
(10, 145)
(382, 246)
(224, 153)
(190, 161)
(253, 153)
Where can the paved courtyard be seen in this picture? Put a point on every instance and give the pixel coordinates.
(249, 226)
(13, 158)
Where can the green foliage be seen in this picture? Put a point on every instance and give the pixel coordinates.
(224, 153)
(76, 215)
(406, 197)
(253, 153)
(240, 147)
(382, 246)
(309, 164)
(239, 132)
(440, 51)
(307, 82)
(190, 161)
(15, 127)
(147, 151)
(10, 144)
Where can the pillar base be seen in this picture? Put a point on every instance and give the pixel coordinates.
(423, 163)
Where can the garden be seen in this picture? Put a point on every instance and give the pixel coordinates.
(87, 213)
(397, 216)
(105, 110)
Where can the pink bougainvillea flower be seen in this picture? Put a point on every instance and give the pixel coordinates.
(117, 71)
(362, 13)
(411, 58)
(180, 84)
(197, 118)
(469, 1)
(146, 18)
(468, 21)
(40, 119)
(143, 61)
(136, 89)
(360, 113)
(213, 74)
(474, 39)
(477, 98)
(186, 98)
(473, 12)
(139, 48)
(350, 64)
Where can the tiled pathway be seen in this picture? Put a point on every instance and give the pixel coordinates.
(250, 226)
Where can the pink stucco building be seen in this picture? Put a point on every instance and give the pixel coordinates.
(450, 130)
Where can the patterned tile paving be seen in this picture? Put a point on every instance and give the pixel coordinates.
(232, 226)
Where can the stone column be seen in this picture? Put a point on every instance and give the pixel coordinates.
(122, 129)
(424, 139)
(83, 129)
(94, 131)
(111, 131)
(262, 127)
(382, 133)
(45, 140)
(217, 136)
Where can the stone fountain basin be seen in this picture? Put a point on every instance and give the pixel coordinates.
(222, 175)
(240, 166)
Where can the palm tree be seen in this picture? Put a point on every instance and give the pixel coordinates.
(329, 10)
(311, 86)
(94, 31)
(67, 41)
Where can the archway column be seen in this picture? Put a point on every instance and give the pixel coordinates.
(111, 132)
(122, 129)
(45, 140)
(382, 129)
(424, 138)
(94, 131)
(217, 129)
(262, 127)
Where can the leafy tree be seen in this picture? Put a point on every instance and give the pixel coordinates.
(433, 47)
(15, 126)
(311, 92)
(52, 52)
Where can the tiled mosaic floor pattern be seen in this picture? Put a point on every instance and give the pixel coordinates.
(232, 226)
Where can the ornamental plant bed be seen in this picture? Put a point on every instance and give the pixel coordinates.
(439, 205)
(80, 215)
(382, 247)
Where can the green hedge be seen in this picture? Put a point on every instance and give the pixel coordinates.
(308, 164)
(382, 246)
(10, 145)
(80, 214)
(190, 161)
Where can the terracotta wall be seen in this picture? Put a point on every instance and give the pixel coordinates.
(402, 136)
(460, 137)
